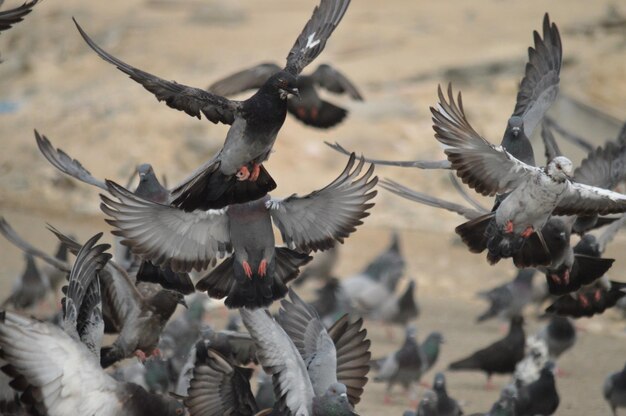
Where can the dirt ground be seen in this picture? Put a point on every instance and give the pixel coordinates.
(396, 54)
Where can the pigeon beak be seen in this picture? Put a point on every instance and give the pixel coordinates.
(182, 302)
(343, 395)
(294, 91)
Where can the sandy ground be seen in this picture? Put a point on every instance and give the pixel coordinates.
(397, 55)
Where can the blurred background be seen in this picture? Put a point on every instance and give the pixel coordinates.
(396, 54)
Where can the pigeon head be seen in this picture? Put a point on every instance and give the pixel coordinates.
(165, 302)
(435, 337)
(588, 245)
(516, 123)
(440, 382)
(144, 170)
(560, 168)
(337, 390)
(411, 332)
(285, 83)
(428, 403)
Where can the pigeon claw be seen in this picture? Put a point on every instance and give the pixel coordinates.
(263, 268)
(508, 227)
(140, 355)
(243, 173)
(583, 301)
(314, 113)
(247, 269)
(156, 353)
(528, 231)
(597, 295)
(256, 170)
(566, 276)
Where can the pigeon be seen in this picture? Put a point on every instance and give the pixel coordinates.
(257, 273)
(264, 396)
(307, 363)
(12, 16)
(71, 380)
(529, 368)
(589, 301)
(234, 174)
(332, 301)
(404, 366)
(309, 108)
(499, 357)
(400, 309)
(614, 390)
(426, 407)
(30, 288)
(505, 406)
(430, 349)
(321, 267)
(559, 335)
(539, 397)
(534, 193)
(509, 299)
(446, 405)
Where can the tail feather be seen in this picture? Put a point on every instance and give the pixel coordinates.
(211, 189)
(533, 252)
(468, 363)
(474, 232)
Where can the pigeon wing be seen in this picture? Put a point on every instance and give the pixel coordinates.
(421, 164)
(486, 168)
(193, 101)
(247, 79)
(165, 235)
(312, 40)
(12, 16)
(329, 78)
(579, 199)
(316, 221)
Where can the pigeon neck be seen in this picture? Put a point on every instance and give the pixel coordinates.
(31, 273)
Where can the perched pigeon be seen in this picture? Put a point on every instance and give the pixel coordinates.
(426, 407)
(505, 406)
(254, 122)
(615, 390)
(509, 299)
(539, 397)
(499, 357)
(399, 309)
(446, 405)
(536, 357)
(430, 349)
(309, 108)
(404, 366)
(559, 335)
(257, 272)
(58, 369)
(533, 193)
(30, 288)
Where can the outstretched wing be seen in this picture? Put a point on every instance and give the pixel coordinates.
(165, 235)
(579, 199)
(12, 16)
(317, 220)
(192, 101)
(247, 79)
(312, 40)
(334, 81)
(482, 166)
(540, 86)
(604, 167)
(432, 201)
(421, 164)
(549, 142)
(63, 162)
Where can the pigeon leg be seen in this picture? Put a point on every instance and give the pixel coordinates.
(583, 301)
(597, 295)
(256, 170)
(314, 113)
(247, 269)
(262, 268)
(555, 278)
(566, 276)
(243, 173)
(508, 227)
(528, 231)
(140, 355)
(156, 352)
(301, 112)
(489, 385)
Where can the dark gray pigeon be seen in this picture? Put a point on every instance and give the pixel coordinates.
(399, 309)
(539, 397)
(509, 299)
(534, 194)
(431, 348)
(309, 108)
(70, 380)
(234, 174)
(446, 405)
(331, 302)
(321, 267)
(499, 357)
(257, 272)
(614, 390)
(505, 406)
(427, 406)
(559, 335)
(30, 288)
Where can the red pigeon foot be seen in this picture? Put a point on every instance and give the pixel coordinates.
(243, 173)
(256, 170)
(528, 232)
(262, 267)
(247, 269)
(140, 355)
(508, 227)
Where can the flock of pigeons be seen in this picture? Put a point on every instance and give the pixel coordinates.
(315, 356)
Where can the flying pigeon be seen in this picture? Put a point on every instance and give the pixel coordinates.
(309, 108)
(257, 272)
(254, 122)
(12, 16)
(58, 369)
(499, 357)
(589, 301)
(615, 390)
(534, 194)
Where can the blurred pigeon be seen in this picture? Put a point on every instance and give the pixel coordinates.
(321, 267)
(505, 406)
(446, 405)
(536, 357)
(399, 309)
(539, 397)
(426, 407)
(509, 299)
(309, 108)
(257, 272)
(589, 301)
(404, 366)
(254, 122)
(30, 288)
(615, 390)
(559, 335)
(332, 302)
(265, 391)
(534, 193)
(499, 357)
(71, 380)
(430, 349)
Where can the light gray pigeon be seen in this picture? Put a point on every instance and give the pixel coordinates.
(235, 174)
(257, 272)
(60, 368)
(534, 193)
(615, 390)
